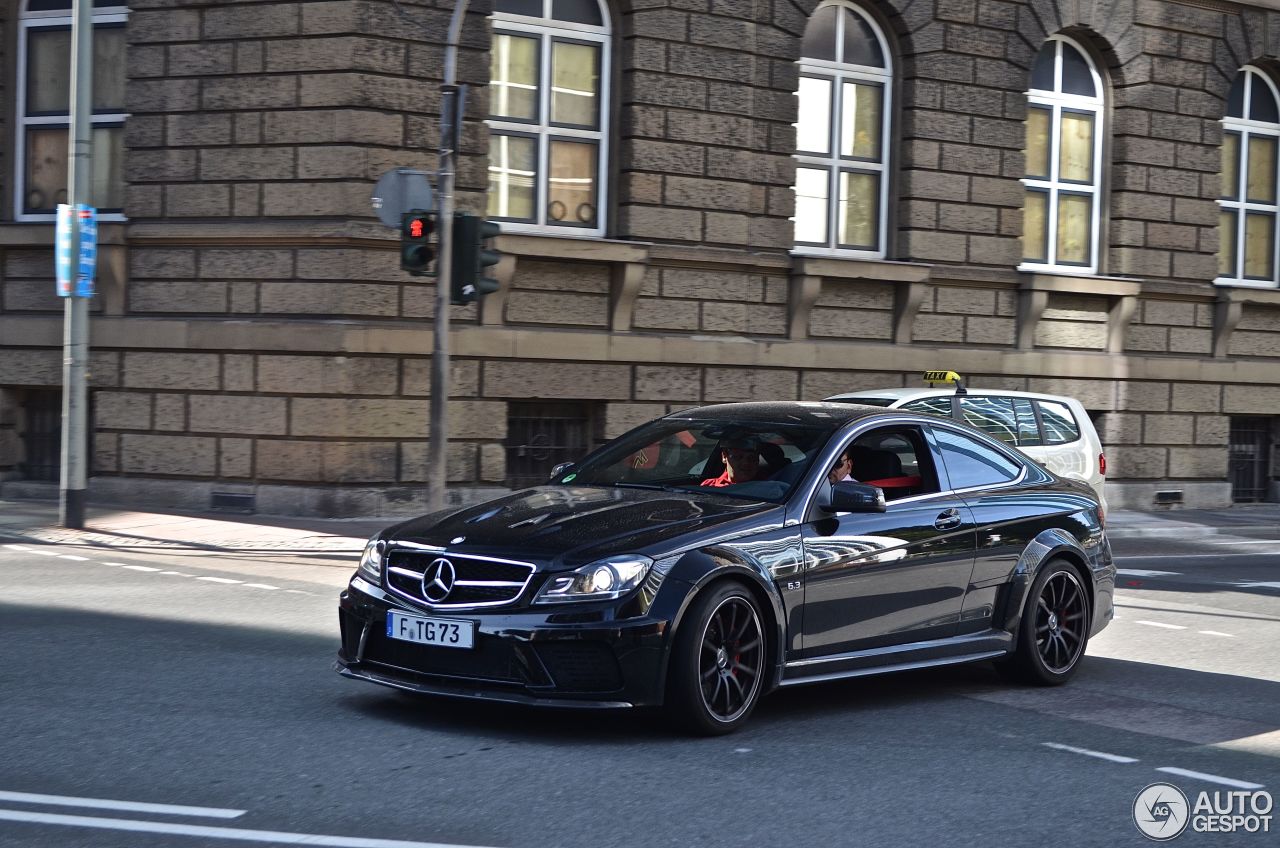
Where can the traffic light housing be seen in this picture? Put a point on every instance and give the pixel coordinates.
(416, 253)
(471, 258)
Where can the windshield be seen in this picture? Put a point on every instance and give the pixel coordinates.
(745, 459)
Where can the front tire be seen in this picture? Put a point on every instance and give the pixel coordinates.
(717, 662)
(1054, 630)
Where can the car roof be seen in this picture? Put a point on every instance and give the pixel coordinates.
(971, 391)
(811, 413)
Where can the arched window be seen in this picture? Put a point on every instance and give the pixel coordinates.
(44, 108)
(548, 103)
(1061, 211)
(1247, 208)
(842, 134)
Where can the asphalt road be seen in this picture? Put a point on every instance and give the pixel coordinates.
(197, 681)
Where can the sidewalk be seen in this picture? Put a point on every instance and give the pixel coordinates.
(37, 521)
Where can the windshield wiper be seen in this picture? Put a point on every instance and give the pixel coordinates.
(657, 487)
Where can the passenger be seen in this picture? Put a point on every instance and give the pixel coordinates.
(841, 472)
(741, 459)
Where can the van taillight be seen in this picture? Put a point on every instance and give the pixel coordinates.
(1102, 464)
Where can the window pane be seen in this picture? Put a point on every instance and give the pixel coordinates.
(108, 167)
(513, 83)
(971, 463)
(1230, 165)
(1035, 227)
(108, 69)
(813, 130)
(860, 127)
(820, 35)
(575, 82)
(1028, 429)
(811, 205)
(992, 415)
(1042, 70)
(859, 212)
(861, 47)
(1235, 99)
(571, 192)
(1075, 160)
(577, 11)
(1059, 424)
(1227, 243)
(1038, 142)
(532, 8)
(512, 173)
(1259, 245)
(1076, 76)
(933, 406)
(46, 182)
(1262, 103)
(48, 69)
(1262, 169)
(1074, 220)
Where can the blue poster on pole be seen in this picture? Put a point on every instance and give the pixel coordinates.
(62, 250)
(88, 216)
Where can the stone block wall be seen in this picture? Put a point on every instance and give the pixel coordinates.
(969, 316)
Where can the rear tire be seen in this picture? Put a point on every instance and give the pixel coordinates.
(717, 665)
(1054, 631)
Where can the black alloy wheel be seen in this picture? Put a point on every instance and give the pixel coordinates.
(718, 661)
(1054, 631)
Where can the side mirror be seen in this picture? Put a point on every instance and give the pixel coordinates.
(559, 469)
(848, 496)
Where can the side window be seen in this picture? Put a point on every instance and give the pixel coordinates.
(1028, 429)
(993, 416)
(1059, 424)
(971, 463)
(895, 459)
(933, 406)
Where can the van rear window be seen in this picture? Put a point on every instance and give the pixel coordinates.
(1058, 423)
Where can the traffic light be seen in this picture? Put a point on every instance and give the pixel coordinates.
(416, 228)
(471, 258)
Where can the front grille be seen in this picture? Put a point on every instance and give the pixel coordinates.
(491, 659)
(478, 581)
(581, 666)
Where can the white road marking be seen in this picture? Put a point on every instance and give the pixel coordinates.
(1211, 778)
(210, 832)
(128, 806)
(140, 568)
(176, 573)
(219, 580)
(1215, 633)
(44, 553)
(18, 548)
(1247, 542)
(742, 750)
(261, 586)
(297, 592)
(73, 558)
(114, 564)
(1102, 755)
(1161, 624)
(1142, 572)
(1244, 585)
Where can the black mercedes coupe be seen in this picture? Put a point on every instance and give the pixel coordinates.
(708, 557)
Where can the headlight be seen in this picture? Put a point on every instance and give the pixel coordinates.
(600, 581)
(370, 567)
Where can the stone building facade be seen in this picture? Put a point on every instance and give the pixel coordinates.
(255, 342)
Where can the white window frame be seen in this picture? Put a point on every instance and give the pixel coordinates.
(546, 30)
(1246, 127)
(28, 20)
(838, 73)
(1056, 101)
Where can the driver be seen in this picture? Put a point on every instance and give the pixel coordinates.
(741, 457)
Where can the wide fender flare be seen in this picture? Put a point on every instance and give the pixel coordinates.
(1041, 550)
(698, 569)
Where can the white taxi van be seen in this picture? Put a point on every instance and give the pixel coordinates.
(1055, 431)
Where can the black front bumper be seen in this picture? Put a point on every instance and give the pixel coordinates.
(570, 658)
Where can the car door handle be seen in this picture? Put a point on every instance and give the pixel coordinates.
(947, 519)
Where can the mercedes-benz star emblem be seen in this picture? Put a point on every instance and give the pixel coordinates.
(437, 580)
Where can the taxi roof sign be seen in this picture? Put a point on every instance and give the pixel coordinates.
(932, 377)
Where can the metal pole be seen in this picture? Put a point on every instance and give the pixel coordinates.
(437, 454)
(75, 344)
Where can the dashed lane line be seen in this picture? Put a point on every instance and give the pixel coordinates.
(140, 568)
(1216, 633)
(178, 573)
(219, 579)
(1143, 572)
(1102, 755)
(148, 569)
(125, 806)
(1211, 778)
(213, 832)
(73, 558)
(261, 586)
(1162, 624)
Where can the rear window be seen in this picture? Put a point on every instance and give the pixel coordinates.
(1011, 420)
(1059, 424)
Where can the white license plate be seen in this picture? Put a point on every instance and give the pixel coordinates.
(444, 632)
